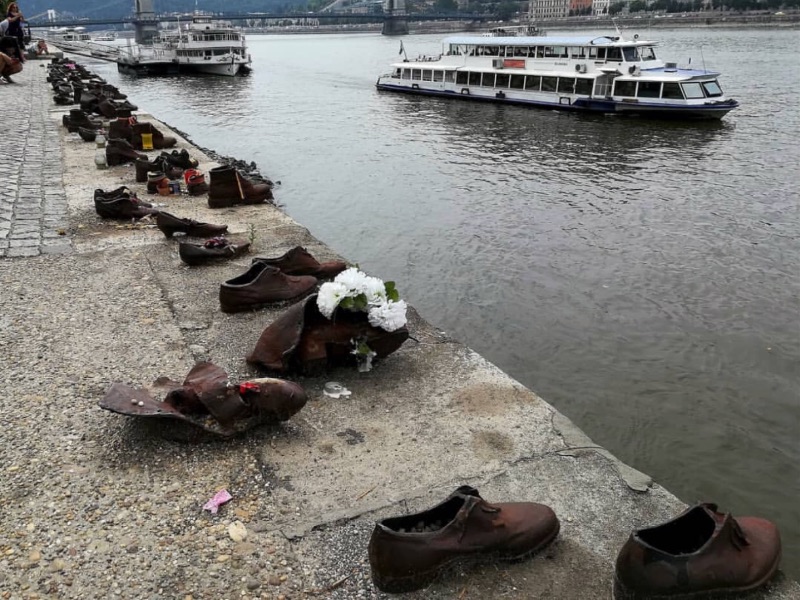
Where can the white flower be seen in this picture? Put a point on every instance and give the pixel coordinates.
(374, 290)
(352, 279)
(329, 296)
(390, 316)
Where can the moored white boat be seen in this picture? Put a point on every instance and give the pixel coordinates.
(201, 46)
(595, 74)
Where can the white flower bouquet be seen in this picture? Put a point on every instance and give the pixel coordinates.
(355, 291)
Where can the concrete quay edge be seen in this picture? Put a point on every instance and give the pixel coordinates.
(97, 505)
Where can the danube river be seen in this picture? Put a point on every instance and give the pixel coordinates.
(641, 276)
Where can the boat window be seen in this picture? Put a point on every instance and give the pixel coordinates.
(555, 51)
(449, 76)
(630, 54)
(614, 54)
(577, 52)
(549, 84)
(521, 51)
(474, 78)
(438, 75)
(692, 90)
(517, 82)
(647, 53)
(487, 80)
(396, 74)
(491, 51)
(592, 53)
(712, 89)
(406, 73)
(624, 88)
(502, 80)
(427, 75)
(454, 50)
(583, 86)
(462, 77)
(649, 89)
(509, 51)
(672, 91)
(533, 82)
(566, 85)
(601, 54)
(416, 74)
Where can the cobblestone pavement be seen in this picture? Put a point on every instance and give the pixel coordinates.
(33, 206)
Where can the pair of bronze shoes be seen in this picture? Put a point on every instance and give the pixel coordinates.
(121, 203)
(701, 553)
(209, 402)
(214, 249)
(270, 280)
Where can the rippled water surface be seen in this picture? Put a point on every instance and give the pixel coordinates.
(641, 276)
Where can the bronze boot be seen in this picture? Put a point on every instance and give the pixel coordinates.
(121, 129)
(228, 188)
(160, 141)
(119, 152)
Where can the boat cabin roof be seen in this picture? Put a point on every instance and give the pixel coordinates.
(545, 41)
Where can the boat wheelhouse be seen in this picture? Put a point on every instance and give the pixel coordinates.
(596, 74)
(201, 46)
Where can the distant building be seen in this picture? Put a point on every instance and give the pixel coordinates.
(549, 9)
(580, 7)
(600, 7)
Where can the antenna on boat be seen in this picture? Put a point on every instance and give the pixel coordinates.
(703, 58)
(616, 26)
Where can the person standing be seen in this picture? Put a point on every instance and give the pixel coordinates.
(15, 18)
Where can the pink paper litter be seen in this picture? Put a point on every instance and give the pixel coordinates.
(220, 498)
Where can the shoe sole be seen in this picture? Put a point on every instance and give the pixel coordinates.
(418, 581)
(269, 304)
(620, 592)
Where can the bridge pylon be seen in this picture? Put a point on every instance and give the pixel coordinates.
(395, 22)
(146, 24)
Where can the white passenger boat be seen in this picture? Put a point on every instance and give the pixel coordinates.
(201, 46)
(593, 74)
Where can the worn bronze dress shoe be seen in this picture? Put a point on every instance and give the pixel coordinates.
(119, 151)
(170, 225)
(208, 403)
(121, 204)
(210, 251)
(408, 553)
(701, 553)
(229, 187)
(180, 158)
(143, 167)
(262, 285)
(299, 261)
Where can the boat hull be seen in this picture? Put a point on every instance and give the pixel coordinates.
(709, 111)
(172, 68)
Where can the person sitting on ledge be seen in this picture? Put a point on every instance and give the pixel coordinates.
(9, 66)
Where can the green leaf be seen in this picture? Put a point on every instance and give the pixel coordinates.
(391, 291)
(360, 302)
(346, 302)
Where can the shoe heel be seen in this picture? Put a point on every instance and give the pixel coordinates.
(400, 585)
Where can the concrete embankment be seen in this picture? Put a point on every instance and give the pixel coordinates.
(94, 505)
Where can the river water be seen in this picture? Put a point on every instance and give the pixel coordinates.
(641, 276)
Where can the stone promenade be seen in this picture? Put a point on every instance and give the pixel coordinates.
(33, 207)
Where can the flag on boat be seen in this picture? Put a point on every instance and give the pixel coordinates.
(401, 47)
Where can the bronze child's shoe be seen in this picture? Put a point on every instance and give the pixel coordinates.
(208, 402)
(302, 340)
(259, 286)
(170, 225)
(701, 553)
(408, 553)
(299, 261)
(212, 250)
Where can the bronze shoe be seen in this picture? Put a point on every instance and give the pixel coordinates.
(302, 340)
(170, 225)
(124, 206)
(701, 553)
(299, 261)
(260, 286)
(210, 251)
(143, 167)
(119, 152)
(229, 187)
(160, 141)
(208, 402)
(408, 553)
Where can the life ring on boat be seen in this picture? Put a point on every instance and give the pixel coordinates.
(465, 91)
(500, 95)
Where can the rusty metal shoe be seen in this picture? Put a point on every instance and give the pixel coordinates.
(208, 402)
(299, 261)
(125, 206)
(159, 140)
(303, 341)
(701, 553)
(169, 225)
(119, 151)
(260, 286)
(212, 250)
(229, 187)
(408, 553)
